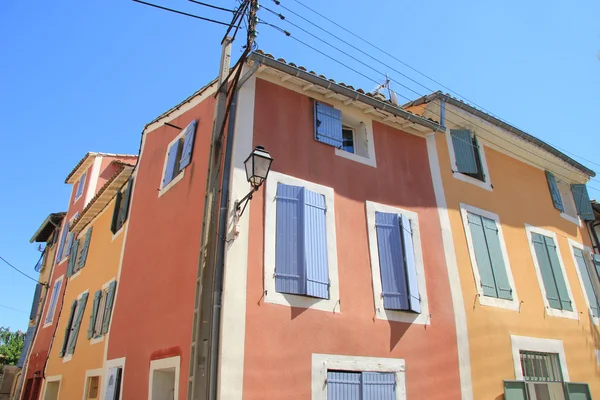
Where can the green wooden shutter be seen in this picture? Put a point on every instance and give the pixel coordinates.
(554, 192)
(72, 258)
(464, 151)
(515, 390)
(596, 259)
(63, 348)
(559, 277)
(546, 270)
(116, 211)
(77, 323)
(124, 207)
(492, 237)
(482, 256)
(84, 251)
(577, 391)
(110, 296)
(95, 305)
(586, 277)
(582, 201)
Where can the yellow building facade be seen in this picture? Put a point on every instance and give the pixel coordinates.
(75, 365)
(525, 289)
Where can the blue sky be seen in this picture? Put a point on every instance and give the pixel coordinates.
(78, 76)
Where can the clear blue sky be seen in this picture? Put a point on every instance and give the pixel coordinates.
(78, 76)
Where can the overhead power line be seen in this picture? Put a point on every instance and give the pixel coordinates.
(212, 6)
(18, 270)
(181, 13)
(14, 309)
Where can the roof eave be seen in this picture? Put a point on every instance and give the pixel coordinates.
(53, 219)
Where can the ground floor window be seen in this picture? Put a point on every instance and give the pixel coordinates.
(164, 378)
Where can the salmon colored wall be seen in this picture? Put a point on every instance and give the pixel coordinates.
(155, 300)
(102, 263)
(520, 195)
(280, 340)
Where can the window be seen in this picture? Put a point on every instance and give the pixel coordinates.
(80, 186)
(550, 270)
(63, 241)
(468, 158)
(164, 379)
(101, 311)
(336, 377)
(300, 246)
(77, 262)
(398, 273)
(349, 132)
(179, 155)
(489, 258)
(66, 241)
(113, 383)
(53, 300)
(571, 200)
(93, 384)
(73, 325)
(52, 389)
(121, 209)
(587, 278)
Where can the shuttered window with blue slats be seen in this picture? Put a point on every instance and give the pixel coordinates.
(587, 281)
(352, 385)
(582, 202)
(400, 288)
(551, 271)
(301, 265)
(489, 258)
(328, 125)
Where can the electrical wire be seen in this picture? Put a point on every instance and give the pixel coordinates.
(14, 309)
(181, 12)
(398, 60)
(375, 81)
(18, 270)
(212, 6)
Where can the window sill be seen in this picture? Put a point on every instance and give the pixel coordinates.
(116, 235)
(569, 218)
(171, 184)
(75, 275)
(97, 340)
(512, 305)
(553, 312)
(67, 358)
(46, 324)
(403, 316)
(355, 157)
(78, 197)
(466, 178)
(294, 300)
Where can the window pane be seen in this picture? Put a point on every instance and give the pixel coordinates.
(348, 140)
(541, 367)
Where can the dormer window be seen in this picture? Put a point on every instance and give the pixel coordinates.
(80, 186)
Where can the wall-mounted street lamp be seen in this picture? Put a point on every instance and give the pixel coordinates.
(258, 165)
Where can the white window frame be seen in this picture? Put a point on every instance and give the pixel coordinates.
(380, 312)
(52, 379)
(357, 120)
(293, 300)
(104, 289)
(90, 373)
(181, 173)
(67, 357)
(164, 363)
(598, 356)
(563, 197)
(526, 343)
(323, 362)
(486, 184)
(51, 309)
(586, 251)
(513, 304)
(80, 185)
(69, 238)
(529, 229)
(108, 364)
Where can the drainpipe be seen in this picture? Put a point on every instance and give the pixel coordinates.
(219, 261)
(443, 112)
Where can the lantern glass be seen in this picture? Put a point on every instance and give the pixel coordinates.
(258, 165)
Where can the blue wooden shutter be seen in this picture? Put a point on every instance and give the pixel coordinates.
(63, 240)
(588, 286)
(170, 170)
(289, 240)
(77, 323)
(63, 348)
(559, 278)
(414, 298)
(94, 314)
(391, 261)
(108, 306)
(492, 238)
(577, 391)
(84, 251)
(554, 192)
(464, 151)
(315, 245)
(26, 345)
(482, 256)
(515, 390)
(328, 125)
(546, 270)
(73, 258)
(378, 386)
(188, 145)
(582, 201)
(343, 385)
(36, 301)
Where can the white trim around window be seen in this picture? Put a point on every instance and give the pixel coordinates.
(108, 364)
(181, 173)
(161, 364)
(362, 125)
(529, 229)
(52, 307)
(586, 252)
(598, 356)
(526, 343)
(51, 379)
(513, 304)
(487, 185)
(292, 300)
(323, 362)
(90, 373)
(80, 186)
(380, 311)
